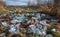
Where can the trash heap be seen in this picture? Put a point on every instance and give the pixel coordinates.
(27, 23)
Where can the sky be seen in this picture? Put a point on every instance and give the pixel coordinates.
(19, 2)
(16, 2)
(22, 2)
